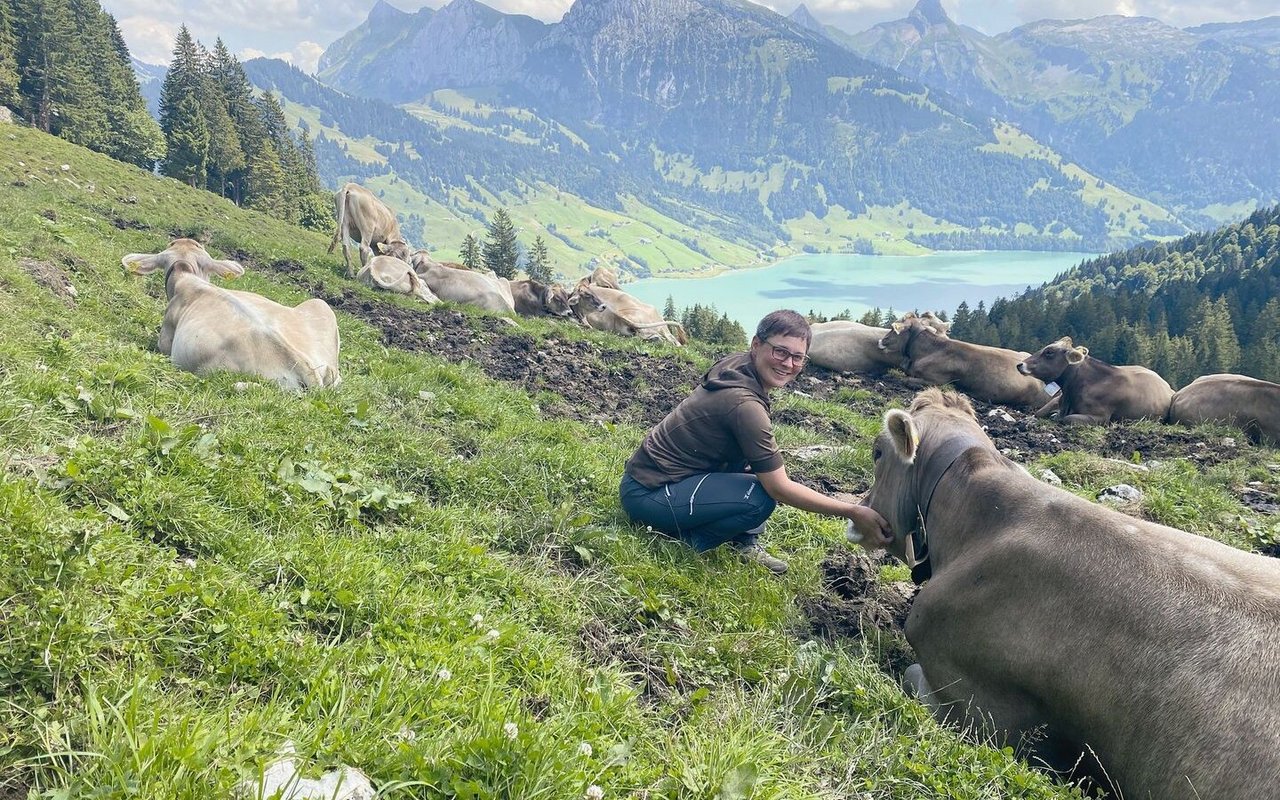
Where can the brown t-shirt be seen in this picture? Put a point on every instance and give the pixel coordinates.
(723, 426)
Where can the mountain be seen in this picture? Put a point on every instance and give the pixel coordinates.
(784, 140)
(1183, 117)
(150, 81)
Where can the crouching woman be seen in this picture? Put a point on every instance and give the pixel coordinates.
(710, 472)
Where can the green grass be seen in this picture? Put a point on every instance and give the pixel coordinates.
(389, 572)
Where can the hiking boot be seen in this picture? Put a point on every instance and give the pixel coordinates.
(756, 553)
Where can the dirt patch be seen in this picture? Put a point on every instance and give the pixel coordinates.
(1257, 498)
(856, 604)
(51, 277)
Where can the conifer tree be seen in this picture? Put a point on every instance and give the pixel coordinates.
(267, 188)
(470, 253)
(1216, 346)
(1261, 358)
(225, 70)
(539, 266)
(187, 143)
(50, 76)
(135, 137)
(8, 57)
(669, 310)
(500, 252)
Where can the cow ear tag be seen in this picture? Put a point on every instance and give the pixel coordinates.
(1051, 388)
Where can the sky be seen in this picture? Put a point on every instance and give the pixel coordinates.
(299, 30)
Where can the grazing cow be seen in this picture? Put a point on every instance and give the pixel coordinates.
(1095, 392)
(1073, 629)
(846, 346)
(536, 299)
(1250, 404)
(987, 373)
(368, 221)
(461, 285)
(615, 311)
(208, 328)
(393, 275)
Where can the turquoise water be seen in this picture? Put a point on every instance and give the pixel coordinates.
(828, 284)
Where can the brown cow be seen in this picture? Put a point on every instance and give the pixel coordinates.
(1095, 392)
(847, 346)
(1250, 404)
(390, 274)
(615, 311)
(603, 276)
(987, 373)
(369, 222)
(1076, 630)
(536, 299)
(208, 328)
(460, 285)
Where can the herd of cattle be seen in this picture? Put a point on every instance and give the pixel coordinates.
(1111, 646)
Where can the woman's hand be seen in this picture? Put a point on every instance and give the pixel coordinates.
(868, 528)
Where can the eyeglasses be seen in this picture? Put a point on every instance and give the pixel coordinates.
(782, 355)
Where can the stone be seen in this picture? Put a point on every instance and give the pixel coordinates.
(1050, 477)
(1120, 494)
(280, 779)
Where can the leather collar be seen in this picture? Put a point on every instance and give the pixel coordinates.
(928, 476)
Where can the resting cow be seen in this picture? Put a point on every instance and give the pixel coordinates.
(368, 221)
(846, 346)
(615, 311)
(536, 299)
(987, 373)
(208, 328)
(458, 284)
(1250, 404)
(393, 275)
(603, 276)
(1095, 392)
(1074, 629)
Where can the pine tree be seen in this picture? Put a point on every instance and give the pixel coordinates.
(1261, 358)
(8, 58)
(1216, 346)
(51, 76)
(267, 187)
(500, 252)
(187, 143)
(237, 92)
(669, 310)
(539, 267)
(470, 253)
(135, 137)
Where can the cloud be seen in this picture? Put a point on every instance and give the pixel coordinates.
(150, 40)
(304, 55)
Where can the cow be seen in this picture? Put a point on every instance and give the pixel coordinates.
(461, 285)
(1094, 392)
(846, 346)
(536, 299)
(603, 276)
(208, 328)
(987, 373)
(1073, 630)
(393, 275)
(369, 222)
(1249, 404)
(615, 311)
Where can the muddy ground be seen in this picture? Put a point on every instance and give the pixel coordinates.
(593, 383)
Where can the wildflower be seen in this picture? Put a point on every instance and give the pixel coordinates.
(510, 730)
(407, 735)
(594, 793)
(584, 749)
(444, 674)
(477, 620)
(492, 634)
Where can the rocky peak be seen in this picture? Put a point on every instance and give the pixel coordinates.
(927, 14)
(804, 19)
(383, 12)
(470, 11)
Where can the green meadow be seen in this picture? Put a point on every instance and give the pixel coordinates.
(419, 573)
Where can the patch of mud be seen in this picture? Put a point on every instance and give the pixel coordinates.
(658, 682)
(1255, 497)
(51, 277)
(856, 604)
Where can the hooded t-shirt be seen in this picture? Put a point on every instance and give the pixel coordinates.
(723, 426)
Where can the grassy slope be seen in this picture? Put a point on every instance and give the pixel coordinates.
(196, 570)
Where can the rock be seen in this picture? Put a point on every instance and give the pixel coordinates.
(280, 779)
(810, 452)
(1127, 464)
(1002, 415)
(1050, 477)
(1273, 467)
(6, 116)
(1228, 442)
(1120, 494)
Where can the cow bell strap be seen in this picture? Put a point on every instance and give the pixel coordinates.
(929, 476)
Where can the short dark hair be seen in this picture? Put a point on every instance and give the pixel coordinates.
(786, 322)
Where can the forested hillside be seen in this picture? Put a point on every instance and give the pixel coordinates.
(1206, 303)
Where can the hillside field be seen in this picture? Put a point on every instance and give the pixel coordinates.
(424, 573)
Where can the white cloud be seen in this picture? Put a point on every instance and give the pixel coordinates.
(304, 55)
(149, 39)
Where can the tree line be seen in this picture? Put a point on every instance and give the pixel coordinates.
(1206, 303)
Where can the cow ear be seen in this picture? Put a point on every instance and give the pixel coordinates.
(142, 263)
(903, 434)
(226, 269)
(1076, 354)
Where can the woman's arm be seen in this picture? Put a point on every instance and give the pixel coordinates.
(875, 531)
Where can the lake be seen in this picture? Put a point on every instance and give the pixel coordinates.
(828, 284)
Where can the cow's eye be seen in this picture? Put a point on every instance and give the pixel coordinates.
(875, 454)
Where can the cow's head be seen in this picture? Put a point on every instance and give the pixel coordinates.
(902, 456)
(397, 247)
(555, 300)
(583, 301)
(421, 261)
(182, 255)
(1053, 360)
(896, 342)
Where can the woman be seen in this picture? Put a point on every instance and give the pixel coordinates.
(710, 472)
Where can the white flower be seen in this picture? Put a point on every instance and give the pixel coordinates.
(594, 793)
(584, 749)
(406, 734)
(444, 674)
(492, 634)
(510, 730)
(477, 619)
